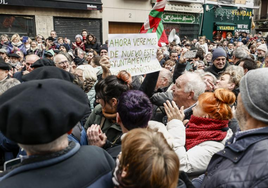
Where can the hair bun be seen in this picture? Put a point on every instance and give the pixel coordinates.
(225, 96)
(124, 76)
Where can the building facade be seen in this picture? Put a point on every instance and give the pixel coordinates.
(68, 17)
(261, 16)
(124, 16)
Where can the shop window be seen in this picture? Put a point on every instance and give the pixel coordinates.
(23, 25)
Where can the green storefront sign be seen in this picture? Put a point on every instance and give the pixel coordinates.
(225, 18)
(225, 28)
(180, 18)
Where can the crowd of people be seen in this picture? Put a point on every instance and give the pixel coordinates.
(201, 121)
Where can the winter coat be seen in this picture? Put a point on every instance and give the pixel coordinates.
(242, 163)
(215, 71)
(75, 166)
(95, 47)
(21, 48)
(111, 129)
(197, 158)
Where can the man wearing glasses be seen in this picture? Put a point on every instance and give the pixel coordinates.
(219, 62)
(62, 62)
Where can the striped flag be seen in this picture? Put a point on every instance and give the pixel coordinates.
(154, 23)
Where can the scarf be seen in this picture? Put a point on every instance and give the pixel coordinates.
(17, 44)
(109, 114)
(203, 129)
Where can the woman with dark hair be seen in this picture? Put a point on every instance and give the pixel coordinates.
(146, 161)
(103, 117)
(206, 132)
(92, 43)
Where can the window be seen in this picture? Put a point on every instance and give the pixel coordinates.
(23, 25)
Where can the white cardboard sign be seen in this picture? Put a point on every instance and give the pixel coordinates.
(135, 53)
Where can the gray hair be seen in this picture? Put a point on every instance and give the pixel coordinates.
(211, 75)
(50, 147)
(166, 74)
(240, 53)
(266, 55)
(7, 84)
(88, 72)
(195, 84)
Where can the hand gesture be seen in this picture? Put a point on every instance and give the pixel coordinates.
(95, 136)
(105, 62)
(74, 44)
(173, 112)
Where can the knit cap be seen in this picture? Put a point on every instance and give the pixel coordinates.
(218, 52)
(262, 47)
(254, 93)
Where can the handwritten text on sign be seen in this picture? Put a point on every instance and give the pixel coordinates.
(135, 53)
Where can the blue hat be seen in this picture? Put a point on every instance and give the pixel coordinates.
(218, 52)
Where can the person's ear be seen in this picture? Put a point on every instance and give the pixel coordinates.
(124, 172)
(231, 87)
(191, 95)
(118, 119)
(114, 102)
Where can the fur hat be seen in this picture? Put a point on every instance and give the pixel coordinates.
(79, 36)
(254, 94)
(262, 47)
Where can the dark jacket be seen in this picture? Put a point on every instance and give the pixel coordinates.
(215, 71)
(95, 47)
(86, 166)
(242, 163)
(111, 129)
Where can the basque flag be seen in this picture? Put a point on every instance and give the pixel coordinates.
(154, 23)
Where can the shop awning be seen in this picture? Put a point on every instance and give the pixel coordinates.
(224, 26)
(59, 4)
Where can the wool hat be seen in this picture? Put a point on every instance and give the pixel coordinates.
(43, 62)
(4, 65)
(254, 95)
(49, 53)
(104, 47)
(14, 55)
(40, 111)
(48, 72)
(262, 47)
(218, 52)
(79, 36)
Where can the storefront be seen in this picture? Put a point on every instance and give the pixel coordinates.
(220, 21)
(186, 18)
(68, 17)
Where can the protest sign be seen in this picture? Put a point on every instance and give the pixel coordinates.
(135, 53)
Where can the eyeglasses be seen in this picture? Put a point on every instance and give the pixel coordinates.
(63, 62)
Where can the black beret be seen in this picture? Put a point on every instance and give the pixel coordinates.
(48, 72)
(78, 61)
(40, 111)
(14, 55)
(66, 46)
(4, 65)
(43, 62)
